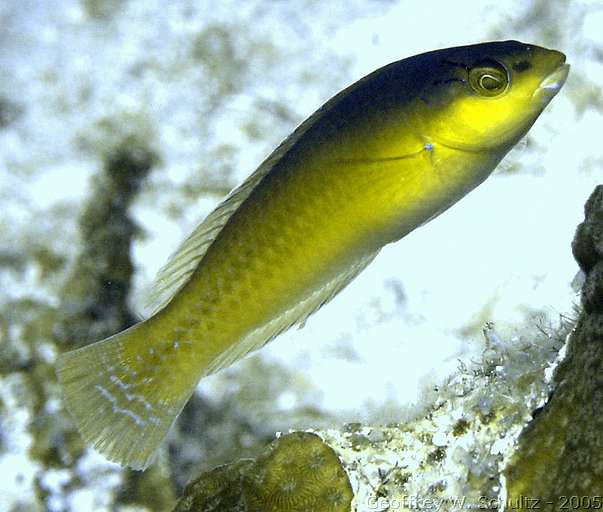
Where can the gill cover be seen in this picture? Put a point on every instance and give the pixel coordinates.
(486, 97)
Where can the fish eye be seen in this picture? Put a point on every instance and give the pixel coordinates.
(489, 78)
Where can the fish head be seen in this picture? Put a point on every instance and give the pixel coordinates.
(487, 96)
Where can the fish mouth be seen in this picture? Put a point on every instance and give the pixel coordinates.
(554, 81)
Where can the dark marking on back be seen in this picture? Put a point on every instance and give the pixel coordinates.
(456, 64)
(522, 65)
(449, 81)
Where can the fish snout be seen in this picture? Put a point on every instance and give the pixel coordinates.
(555, 71)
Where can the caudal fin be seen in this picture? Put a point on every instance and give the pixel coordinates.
(122, 396)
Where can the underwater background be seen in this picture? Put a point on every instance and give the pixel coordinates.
(124, 122)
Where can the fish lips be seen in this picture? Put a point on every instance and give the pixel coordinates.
(552, 83)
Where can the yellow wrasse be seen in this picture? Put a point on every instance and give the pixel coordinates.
(384, 156)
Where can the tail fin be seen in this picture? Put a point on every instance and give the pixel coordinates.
(123, 395)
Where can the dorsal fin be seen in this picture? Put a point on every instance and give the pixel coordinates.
(184, 260)
(182, 263)
(297, 315)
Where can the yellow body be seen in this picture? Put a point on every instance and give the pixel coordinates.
(381, 158)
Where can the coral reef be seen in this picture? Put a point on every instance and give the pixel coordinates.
(449, 458)
(297, 472)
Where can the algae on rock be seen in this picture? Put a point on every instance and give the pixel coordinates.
(559, 459)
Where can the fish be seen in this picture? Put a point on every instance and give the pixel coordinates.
(379, 159)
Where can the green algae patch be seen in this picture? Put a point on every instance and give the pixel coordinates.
(461, 427)
(296, 472)
(218, 489)
(559, 459)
